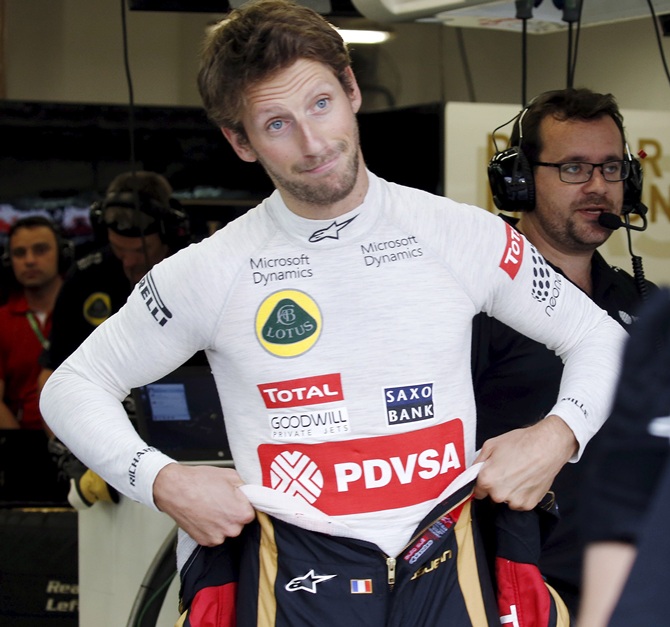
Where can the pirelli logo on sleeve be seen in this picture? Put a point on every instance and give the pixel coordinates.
(153, 301)
(513, 253)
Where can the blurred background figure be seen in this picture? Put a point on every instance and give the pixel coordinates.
(138, 224)
(37, 256)
(626, 495)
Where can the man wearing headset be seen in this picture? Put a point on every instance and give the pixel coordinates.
(36, 255)
(568, 173)
(142, 225)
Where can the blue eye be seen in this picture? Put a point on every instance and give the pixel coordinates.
(322, 103)
(613, 168)
(276, 125)
(572, 168)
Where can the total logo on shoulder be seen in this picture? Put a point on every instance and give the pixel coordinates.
(513, 253)
(367, 474)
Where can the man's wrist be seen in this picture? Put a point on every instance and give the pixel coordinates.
(559, 435)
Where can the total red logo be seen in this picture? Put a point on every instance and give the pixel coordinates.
(513, 254)
(325, 388)
(367, 474)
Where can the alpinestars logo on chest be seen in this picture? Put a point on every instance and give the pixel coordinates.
(330, 232)
(307, 582)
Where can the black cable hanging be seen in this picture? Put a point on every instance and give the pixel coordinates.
(636, 260)
(658, 38)
(524, 62)
(131, 127)
(568, 81)
(524, 12)
(638, 270)
(466, 65)
(572, 59)
(129, 81)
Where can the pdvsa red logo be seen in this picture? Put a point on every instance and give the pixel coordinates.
(513, 253)
(297, 475)
(367, 474)
(325, 388)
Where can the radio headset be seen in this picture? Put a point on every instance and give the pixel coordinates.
(512, 183)
(511, 175)
(170, 221)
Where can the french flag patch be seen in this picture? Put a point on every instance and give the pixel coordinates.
(361, 586)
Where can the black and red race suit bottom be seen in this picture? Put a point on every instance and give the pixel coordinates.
(278, 575)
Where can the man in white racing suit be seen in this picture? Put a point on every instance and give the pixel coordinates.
(336, 317)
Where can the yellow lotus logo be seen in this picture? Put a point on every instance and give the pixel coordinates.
(288, 323)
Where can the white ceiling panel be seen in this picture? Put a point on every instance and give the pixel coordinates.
(501, 14)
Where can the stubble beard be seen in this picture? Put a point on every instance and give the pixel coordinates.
(583, 240)
(321, 193)
(575, 233)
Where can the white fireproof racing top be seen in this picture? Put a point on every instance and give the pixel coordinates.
(341, 352)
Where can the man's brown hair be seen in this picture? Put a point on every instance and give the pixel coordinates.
(257, 40)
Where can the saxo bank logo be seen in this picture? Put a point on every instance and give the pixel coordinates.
(288, 323)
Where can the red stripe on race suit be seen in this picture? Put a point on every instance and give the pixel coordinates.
(213, 607)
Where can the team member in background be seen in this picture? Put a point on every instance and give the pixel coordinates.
(624, 514)
(141, 224)
(344, 375)
(568, 166)
(37, 256)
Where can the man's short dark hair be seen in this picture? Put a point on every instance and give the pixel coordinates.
(562, 104)
(30, 222)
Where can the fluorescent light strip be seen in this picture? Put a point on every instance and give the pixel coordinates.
(355, 36)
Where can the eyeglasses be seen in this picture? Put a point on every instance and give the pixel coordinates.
(582, 171)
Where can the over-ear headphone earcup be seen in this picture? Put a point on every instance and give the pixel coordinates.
(66, 255)
(632, 189)
(179, 231)
(97, 224)
(511, 180)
